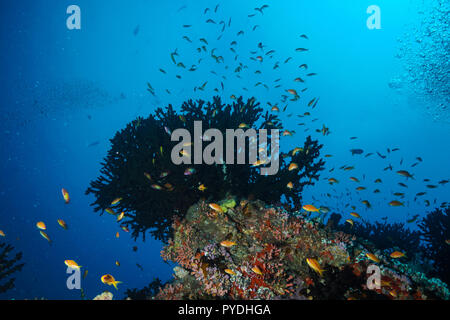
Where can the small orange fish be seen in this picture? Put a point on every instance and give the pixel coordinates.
(310, 208)
(45, 236)
(117, 234)
(215, 207)
(395, 203)
(65, 195)
(397, 254)
(110, 211)
(120, 216)
(290, 185)
(372, 257)
(315, 265)
(62, 224)
(243, 125)
(294, 152)
(293, 92)
(293, 166)
(258, 163)
(350, 221)
(332, 180)
(116, 201)
(230, 272)
(72, 264)
(360, 188)
(110, 281)
(2, 234)
(41, 225)
(354, 214)
(202, 187)
(257, 270)
(227, 243)
(286, 133)
(354, 179)
(275, 109)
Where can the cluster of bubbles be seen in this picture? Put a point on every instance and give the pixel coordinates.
(424, 54)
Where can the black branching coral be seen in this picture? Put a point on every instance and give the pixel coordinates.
(138, 168)
(435, 232)
(9, 264)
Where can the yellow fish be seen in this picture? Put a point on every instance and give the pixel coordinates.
(46, 237)
(230, 272)
(310, 208)
(293, 166)
(397, 254)
(202, 187)
(315, 265)
(110, 281)
(395, 203)
(2, 233)
(110, 211)
(62, 224)
(294, 152)
(41, 225)
(118, 263)
(215, 207)
(243, 125)
(349, 221)
(116, 201)
(120, 216)
(65, 195)
(227, 243)
(290, 185)
(372, 257)
(72, 264)
(257, 270)
(354, 214)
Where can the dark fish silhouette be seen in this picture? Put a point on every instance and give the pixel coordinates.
(356, 151)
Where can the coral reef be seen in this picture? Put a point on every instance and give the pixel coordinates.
(435, 232)
(249, 250)
(386, 236)
(8, 266)
(139, 170)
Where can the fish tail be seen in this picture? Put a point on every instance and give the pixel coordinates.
(115, 283)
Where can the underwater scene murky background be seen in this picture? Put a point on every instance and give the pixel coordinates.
(376, 99)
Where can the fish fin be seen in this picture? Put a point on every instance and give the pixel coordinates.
(115, 283)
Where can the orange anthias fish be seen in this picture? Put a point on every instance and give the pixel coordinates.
(110, 211)
(397, 254)
(65, 195)
(110, 281)
(372, 257)
(354, 214)
(45, 236)
(293, 166)
(230, 272)
(72, 264)
(290, 185)
(116, 201)
(395, 203)
(310, 208)
(2, 234)
(117, 234)
(120, 217)
(227, 243)
(215, 207)
(315, 265)
(257, 270)
(41, 225)
(62, 224)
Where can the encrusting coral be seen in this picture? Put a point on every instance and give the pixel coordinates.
(249, 250)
